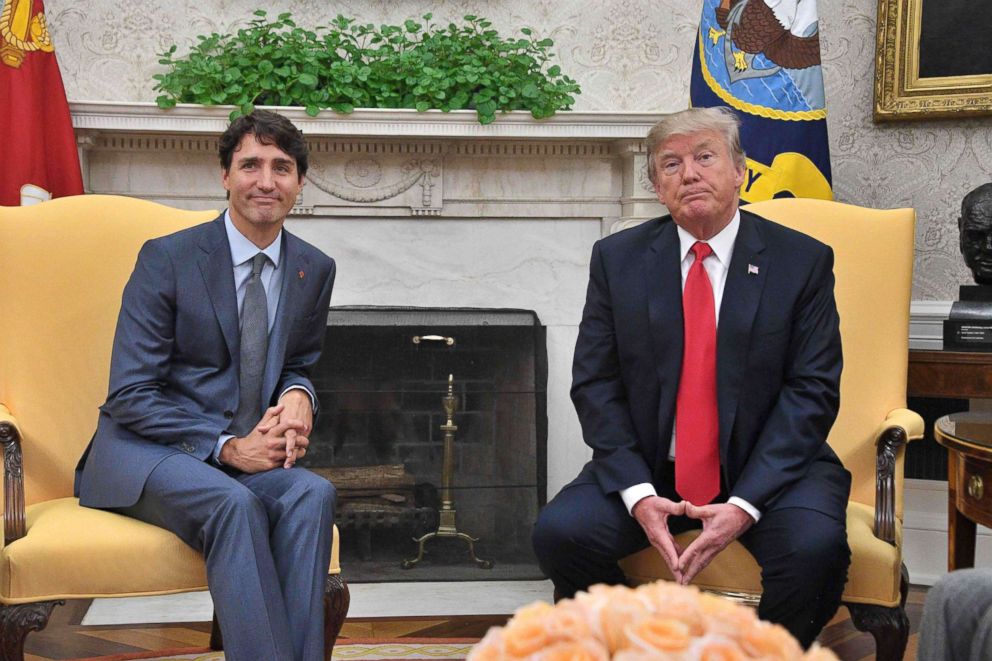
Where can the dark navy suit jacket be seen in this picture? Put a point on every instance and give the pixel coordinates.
(778, 365)
(175, 363)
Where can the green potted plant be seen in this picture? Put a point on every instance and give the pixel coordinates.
(348, 65)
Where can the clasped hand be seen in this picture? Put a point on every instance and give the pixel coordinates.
(277, 440)
(722, 524)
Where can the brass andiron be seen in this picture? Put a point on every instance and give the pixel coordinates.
(446, 524)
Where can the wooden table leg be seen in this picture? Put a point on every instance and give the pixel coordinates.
(960, 529)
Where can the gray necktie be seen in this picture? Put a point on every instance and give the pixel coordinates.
(254, 345)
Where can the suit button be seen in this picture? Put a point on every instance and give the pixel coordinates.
(187, 447)
(228, 414)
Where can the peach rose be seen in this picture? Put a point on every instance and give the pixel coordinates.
(724, 617)
(535, 610)
(574, 650)
(632, 654)
(567, 621)
(521, 638)
(658, 621)
(614, 620)
(675, 601)
(659, 634)
(609, 609)
(718, 649)
(770, 641)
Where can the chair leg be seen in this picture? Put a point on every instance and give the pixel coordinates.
(17, 621)
(889, 626)
(337, 598)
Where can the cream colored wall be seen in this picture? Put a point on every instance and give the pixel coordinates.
(627, 55)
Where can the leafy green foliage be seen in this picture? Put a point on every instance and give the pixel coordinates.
(348, 65)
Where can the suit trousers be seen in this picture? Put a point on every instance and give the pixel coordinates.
(957, 618)
(582, 533)
(266, 538)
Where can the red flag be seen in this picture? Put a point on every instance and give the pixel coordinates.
(38, 157)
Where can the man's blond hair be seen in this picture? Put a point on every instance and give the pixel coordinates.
(722, 120)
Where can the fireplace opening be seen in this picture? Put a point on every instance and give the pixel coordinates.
(392, 383)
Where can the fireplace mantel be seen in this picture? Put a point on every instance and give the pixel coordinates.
(389, 163)
(197, 120)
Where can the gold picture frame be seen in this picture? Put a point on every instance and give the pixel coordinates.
(900, 92)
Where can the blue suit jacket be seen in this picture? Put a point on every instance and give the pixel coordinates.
(175, 364)
(778, 365)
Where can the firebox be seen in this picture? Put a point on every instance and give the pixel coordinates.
(388, 380)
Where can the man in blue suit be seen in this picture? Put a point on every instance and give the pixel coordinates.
(210, 401)
(706, 379)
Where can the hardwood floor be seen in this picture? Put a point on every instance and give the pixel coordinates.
(65, 638)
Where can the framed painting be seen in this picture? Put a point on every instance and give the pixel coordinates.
(932, 59)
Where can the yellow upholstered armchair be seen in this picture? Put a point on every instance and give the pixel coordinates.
(63, 265)
(873, 268)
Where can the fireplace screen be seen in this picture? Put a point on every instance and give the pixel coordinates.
(383, 382)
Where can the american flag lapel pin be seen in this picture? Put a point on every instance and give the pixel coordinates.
(752, 269)
(300, 274)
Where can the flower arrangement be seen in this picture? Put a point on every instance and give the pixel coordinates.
(655, 621)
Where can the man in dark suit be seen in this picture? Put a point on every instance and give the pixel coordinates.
(706, 379)
(210, 401)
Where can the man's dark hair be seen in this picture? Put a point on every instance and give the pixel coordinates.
(269, 128)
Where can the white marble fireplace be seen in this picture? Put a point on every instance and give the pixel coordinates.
(420, 209)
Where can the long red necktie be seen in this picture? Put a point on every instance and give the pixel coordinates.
(697, 457)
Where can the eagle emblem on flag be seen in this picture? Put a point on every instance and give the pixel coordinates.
(22, 31)
(762, 58)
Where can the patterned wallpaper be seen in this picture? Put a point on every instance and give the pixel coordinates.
(627, 55)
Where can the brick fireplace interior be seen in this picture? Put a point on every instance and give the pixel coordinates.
(381, 380)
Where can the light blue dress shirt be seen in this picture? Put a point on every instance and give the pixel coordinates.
(242, 252)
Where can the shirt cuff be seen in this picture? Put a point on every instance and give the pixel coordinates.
(224, 438)
(313, 400)
(746, 506)
(633, 495)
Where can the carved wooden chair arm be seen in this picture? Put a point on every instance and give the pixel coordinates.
(13, 477)
(899, 427)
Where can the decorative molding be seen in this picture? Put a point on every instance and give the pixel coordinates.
(517, 149)
(190, 119)
(377, 148)
(362, 188)
(174, 144)
(900, 92)
(926, 324)
(109, 140)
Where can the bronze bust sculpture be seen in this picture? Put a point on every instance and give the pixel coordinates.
(969, 326)
(975, 229)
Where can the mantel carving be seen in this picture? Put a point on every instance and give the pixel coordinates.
(364, 176)
(388, 163)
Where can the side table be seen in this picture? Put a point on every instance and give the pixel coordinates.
(955, 374)
(968, 439)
